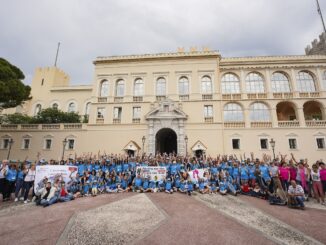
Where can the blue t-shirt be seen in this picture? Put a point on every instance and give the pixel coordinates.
(138, 182)
(244, 173)
(20, 175)
(11, 175)
(168, 185)
(81, 169)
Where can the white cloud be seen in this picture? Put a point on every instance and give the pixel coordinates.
(86, 29)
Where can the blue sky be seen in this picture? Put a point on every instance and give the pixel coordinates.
(30, 30)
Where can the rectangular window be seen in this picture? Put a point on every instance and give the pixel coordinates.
(5, 144)
(293, 144)
(48, 144)
(117, 112)
(26, 143)
(100, 112)
(264, 144)
(320, 143)
(208, 111)
(71, 144)
(136, 112)
(236, 144)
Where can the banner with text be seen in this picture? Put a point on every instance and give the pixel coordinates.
(152, 173)
(53, 172)
(196, 174)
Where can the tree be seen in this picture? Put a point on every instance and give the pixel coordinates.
(13, 91)
(16, 118)
(51, 115)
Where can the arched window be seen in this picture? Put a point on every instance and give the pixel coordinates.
(305, 82)
(255, 83)
(160, 87)
(104, 88)
(233, 113)
(38, 109)
(87, 108)
(206, 85)
(230, 84)
(138, 87)
(55, 106)
(259, 112)
(183, 86)
(72, 107)
(120, 88)
(280, 83)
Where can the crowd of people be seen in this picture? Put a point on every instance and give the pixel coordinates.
(280, 181)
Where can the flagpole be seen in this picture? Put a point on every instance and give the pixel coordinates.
(56, 57)
(321, 15)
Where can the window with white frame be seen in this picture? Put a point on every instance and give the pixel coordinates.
(280, 83)
(255, 83)
(230, 84)
(264, 144)
(305, 82)
(208, 111)
(233, 112)
(26, 144)
(87, 108)
(236, 144)
(55, 106)
(183, 86)
(206, 85)
(136, 112)
(259, 112)
(120, 88)
(5, 143)
(320, 143)
(161, 87)
(293, 144)
(104, 88)
(47, 144)
(117, 112)
(72, 107)
(71, 144)
(100, 112)
(38, 109)
(138, 87)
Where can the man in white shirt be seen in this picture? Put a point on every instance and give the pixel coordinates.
(3, 172)
(296, 193)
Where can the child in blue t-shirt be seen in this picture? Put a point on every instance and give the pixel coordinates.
(168, 186)
(145, 187)
(223, 185)
(137, 184)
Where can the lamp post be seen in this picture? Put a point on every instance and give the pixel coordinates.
(272, 143)
(10, 142)
(64, 143)
(186, 140)
(143, 141)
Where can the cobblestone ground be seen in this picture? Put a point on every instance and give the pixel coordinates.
(159, 218)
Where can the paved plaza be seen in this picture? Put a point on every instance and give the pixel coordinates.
(159, 218)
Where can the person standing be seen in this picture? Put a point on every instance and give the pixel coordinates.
(3, 172)
(316, 184)
(28, 181)
(19, 182)
(10, 182)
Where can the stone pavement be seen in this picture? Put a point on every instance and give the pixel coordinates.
(159, 218)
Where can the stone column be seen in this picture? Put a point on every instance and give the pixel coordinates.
(301, 118)
(151, 138)
(274, 117)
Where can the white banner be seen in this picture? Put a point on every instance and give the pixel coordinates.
(196, 174)
(152, 173)
(53, 172)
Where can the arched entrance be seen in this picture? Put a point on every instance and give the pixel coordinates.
(166, 141)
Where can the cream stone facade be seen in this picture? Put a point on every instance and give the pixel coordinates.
(220, 105)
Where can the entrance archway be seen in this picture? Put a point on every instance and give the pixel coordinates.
(166, 141)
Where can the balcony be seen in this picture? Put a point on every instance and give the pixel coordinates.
(117, 121)
(209, 119)
(118, 99)
(30, 126)
(136, 120)
(40, 127)
(261, 124)
(257, 96)
(231, 96)
(137, 99)
(207, 96)
(102, 99)
(99, 120)
(50, 126)
(71, 126)
(9, 126)
(288, 124)
(234, 124)
(183, 97)
(316, 123)
(160, 97)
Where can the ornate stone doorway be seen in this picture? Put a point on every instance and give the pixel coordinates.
(166, 141)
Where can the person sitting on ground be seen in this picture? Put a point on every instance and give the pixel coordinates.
(137, 184)
(223, 186)
(168, 186)
(64, 195)
(145, 187)
(279, 196)
(202, 186)
(296, 195)
(258, 192)
(94, 188)
(48, 196)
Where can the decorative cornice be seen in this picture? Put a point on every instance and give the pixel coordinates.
(162, 56)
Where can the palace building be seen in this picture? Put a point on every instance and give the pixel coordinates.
(188, 102)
